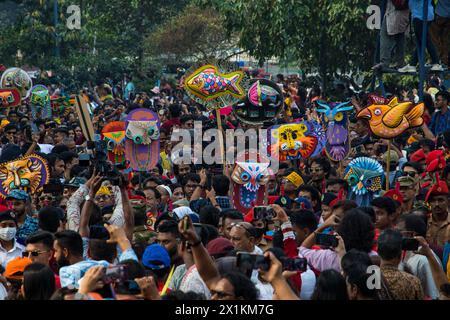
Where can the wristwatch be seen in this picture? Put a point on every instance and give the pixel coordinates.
(87, 198)
(196, 243)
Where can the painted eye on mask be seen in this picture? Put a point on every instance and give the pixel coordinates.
(153, 133)
(339, 116)
(260, 177)
(245, 176)
(353, 180)
(138, 139)
(111, 144)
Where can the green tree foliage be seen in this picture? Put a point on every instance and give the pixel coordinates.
(324, 36)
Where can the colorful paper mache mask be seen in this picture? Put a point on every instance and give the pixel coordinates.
(390, 120)
(142, 139)
(17, 78)
(334, 117)
(9, 97)
(249, 179)
(264, 102)
(40, 102)
(365, 177)
(113, 134)
(300, 140)
(28, 173)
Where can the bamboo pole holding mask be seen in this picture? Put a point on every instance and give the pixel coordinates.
(388, 164)
(221, 142)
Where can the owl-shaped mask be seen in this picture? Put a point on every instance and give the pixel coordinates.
(249, 179)
(17, 78)
(335, 120)
(297, 140)
(40, 102)
(113, 134)
(365, 177)
(28, 173)
(142, 139)
(9, 98)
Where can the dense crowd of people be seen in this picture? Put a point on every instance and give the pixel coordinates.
(173, 233)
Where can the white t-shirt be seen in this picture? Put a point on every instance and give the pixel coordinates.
(46, 148)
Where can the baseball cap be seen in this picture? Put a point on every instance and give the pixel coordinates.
(304, 203)
(14, 269)
(7, 215)
(285, 202)
(406, 181)
(18, 195)
(219, 247)
(156, 257)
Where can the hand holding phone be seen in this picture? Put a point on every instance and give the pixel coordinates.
(326, 240)
(410, 244)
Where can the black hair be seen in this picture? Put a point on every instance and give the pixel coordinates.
(370, 212)
(414, 223)
(49, 218)
(390, 244)
(209, 215)
(192, 177)
(178, 295)
(10, 126)
(44, 237)
(354, 258)
(385, 203)
(231, 214)
(324, 163)
(304, 219)
(68, 156)
(243, 287)
(135, 269)
(71, 241)
(346, 205)
(152, 179)
(213, 233)
(315, 194)
(169, 226)
(155, 191)
(221, 184)
(38, 282)
(185, 118)
(414, 165)
(330, 285)
(358, 276)
(357, 230)
(60, 148)
(175, 111)
(140, 216)
(341, 182)
(277, 239)
(443, 94)
(446, 172)
(101, 250)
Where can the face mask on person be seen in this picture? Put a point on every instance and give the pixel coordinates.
(8, 233)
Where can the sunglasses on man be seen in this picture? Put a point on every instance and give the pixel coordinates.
(412, 174)
(34, 253)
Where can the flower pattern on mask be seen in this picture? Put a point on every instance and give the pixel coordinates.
(113, 134)
(40, 102)
(17, 78)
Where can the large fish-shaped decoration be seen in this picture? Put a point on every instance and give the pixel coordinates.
(28, 173)
(263, 102)
(365, 177)
(335, 120)
(17, 78)
(300, 140)
(249, 178)
(215, 85)
(9, 97)
(40, 102)
(142, 139)
(390, 120)
(113, 134)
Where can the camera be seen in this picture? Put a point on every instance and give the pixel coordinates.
(326, 240)
(410, 244)
(263, 213)
(101, 163)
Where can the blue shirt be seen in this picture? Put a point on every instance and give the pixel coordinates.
(440, 122)
(443, 8)
(416, 7)
(128, 90)
(29, 226)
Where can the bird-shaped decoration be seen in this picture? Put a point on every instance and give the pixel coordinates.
(388, 121)
(335, 121)
(364, 176)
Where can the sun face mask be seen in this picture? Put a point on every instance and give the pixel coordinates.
(142, 139)
(364, 176)
(28, 173)
(335, 122)
(300, 140)
(17, 78)
(249, 179)
(113, 134)
(40, 102)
